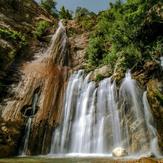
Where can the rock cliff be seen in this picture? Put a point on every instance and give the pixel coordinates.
(29, 71)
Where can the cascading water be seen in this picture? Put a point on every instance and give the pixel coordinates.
(97, 119)
(28, 125)
(150, 124)
(26, 138)
(134, 135)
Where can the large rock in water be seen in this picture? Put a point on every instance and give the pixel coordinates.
(119, 152)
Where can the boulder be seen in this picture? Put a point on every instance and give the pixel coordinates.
(119, 152)
(102, 72)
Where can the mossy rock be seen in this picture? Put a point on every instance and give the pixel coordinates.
(155, 97)
(119, 70)
(101, 73)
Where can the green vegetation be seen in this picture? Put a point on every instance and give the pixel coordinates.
(65, 13)
(13, 42)
(99, 77)
(41, 28)
(13, 36)
(127, 30)
(85, 18)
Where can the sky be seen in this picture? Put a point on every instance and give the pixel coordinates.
(92, 5)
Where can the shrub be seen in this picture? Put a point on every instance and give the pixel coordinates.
(13, 36)
(132, 55)
(123, 31)
(94, 51)
(65, 13)
(41, 28)
(110, 58)
(85, 18)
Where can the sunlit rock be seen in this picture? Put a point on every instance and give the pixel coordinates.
(119, 152)
(100, 73)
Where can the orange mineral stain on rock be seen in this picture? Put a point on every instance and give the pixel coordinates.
(47, 76)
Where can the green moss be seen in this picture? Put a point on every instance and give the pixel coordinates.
(99, 77)
(159, 97)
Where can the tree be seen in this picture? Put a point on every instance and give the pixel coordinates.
(64, 13)
(81, 12)
(50, 6)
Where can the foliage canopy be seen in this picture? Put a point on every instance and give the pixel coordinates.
(126, 30)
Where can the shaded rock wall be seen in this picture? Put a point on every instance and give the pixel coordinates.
(10, 133)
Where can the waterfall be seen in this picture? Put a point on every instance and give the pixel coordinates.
(161, 62)
(45, 71)
(97, 118)
(150, 124)
(26, 138)
(134, 135)
(28, 126)
(87, 113)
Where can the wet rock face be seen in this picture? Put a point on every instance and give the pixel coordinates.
(155, 97)
(10, 133)
(40, 95)
(17, 18)
(49, 105)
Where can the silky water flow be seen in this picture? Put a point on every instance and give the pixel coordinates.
(99, 117)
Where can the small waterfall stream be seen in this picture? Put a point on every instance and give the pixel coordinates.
(98, 118)
(150, 124)
(28, 125)
(26, 138)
